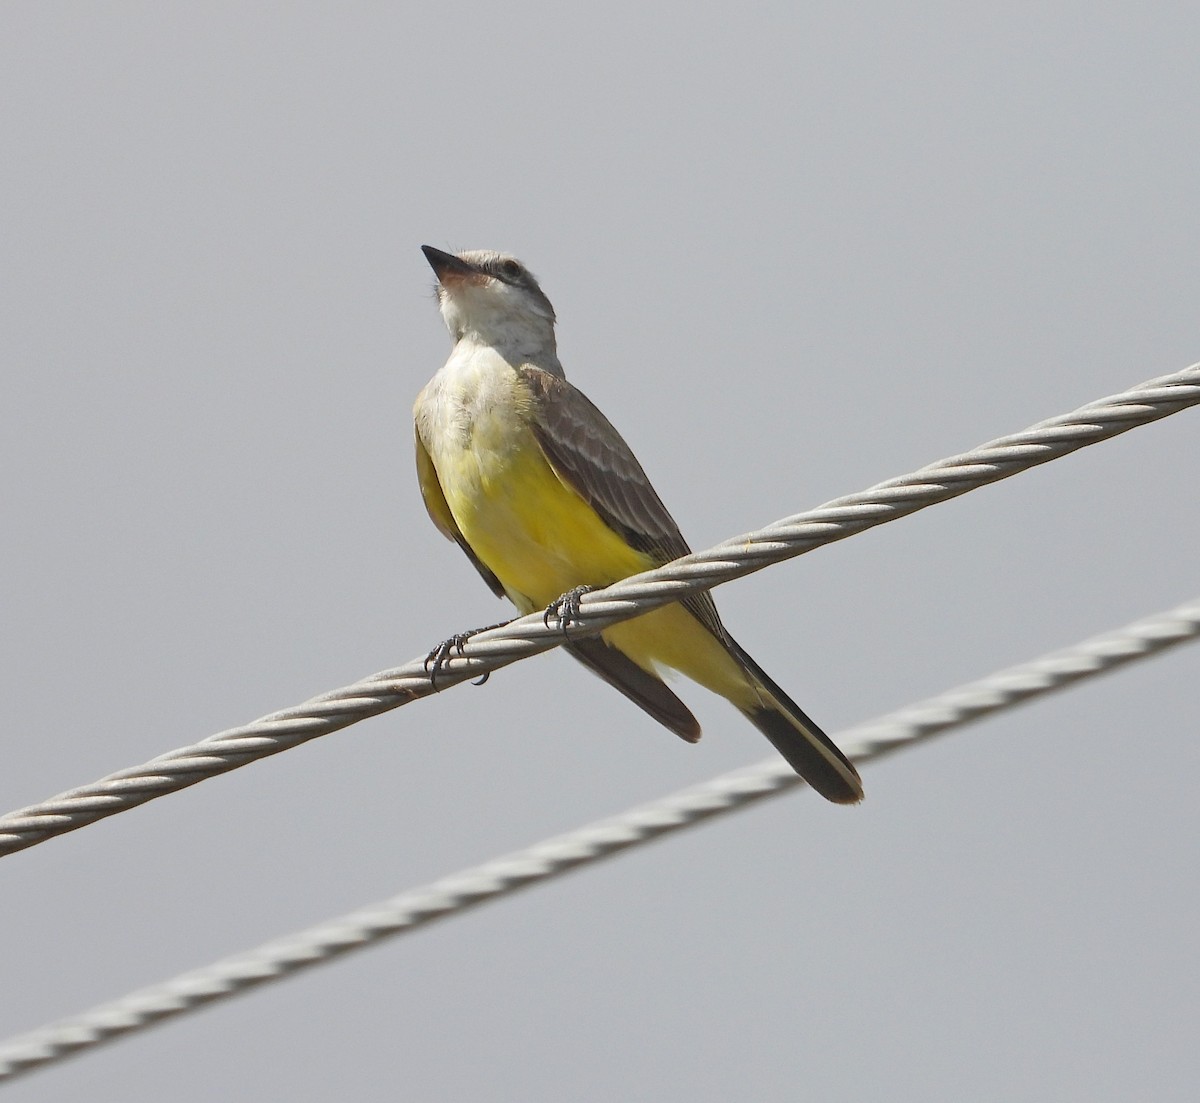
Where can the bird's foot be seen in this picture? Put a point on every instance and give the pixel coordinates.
(565, 609)
(438, 660)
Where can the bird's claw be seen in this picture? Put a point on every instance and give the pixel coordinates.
(438, 660)
(566, 609)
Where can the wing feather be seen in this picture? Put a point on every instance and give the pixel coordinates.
(591, 457)
(645, 690)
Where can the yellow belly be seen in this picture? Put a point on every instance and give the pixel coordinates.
(535, 533)
(541, 539)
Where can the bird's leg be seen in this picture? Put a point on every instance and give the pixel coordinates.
(438, 660)
(565, 609)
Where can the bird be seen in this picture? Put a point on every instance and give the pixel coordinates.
(531, 480)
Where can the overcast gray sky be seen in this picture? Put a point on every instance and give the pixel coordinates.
(795, 249)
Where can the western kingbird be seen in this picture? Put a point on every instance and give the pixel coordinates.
(533, 483)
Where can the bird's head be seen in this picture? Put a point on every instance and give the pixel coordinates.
(493, 299)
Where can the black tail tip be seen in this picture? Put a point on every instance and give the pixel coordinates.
(846, 794)
(810, 752)
(840, 786)
(838, 783)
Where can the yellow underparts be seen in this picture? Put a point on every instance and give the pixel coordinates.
(541, 539)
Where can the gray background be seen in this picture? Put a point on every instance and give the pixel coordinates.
(794, 250)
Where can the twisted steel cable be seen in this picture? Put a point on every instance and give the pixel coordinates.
(490, 650)
(728, 792)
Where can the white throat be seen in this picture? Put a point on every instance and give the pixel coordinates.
(499, 317)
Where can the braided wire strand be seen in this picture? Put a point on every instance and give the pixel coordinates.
(529, 635)
(553, 857)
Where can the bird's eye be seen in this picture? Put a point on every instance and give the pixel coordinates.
(510, 268)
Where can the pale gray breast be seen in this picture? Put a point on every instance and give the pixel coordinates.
(470, 403)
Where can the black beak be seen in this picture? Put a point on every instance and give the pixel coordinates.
(446, 264)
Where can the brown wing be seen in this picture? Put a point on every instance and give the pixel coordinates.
(439, 512)
(589, 456)
(645, 690)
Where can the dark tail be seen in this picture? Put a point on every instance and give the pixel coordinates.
(808, 750)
